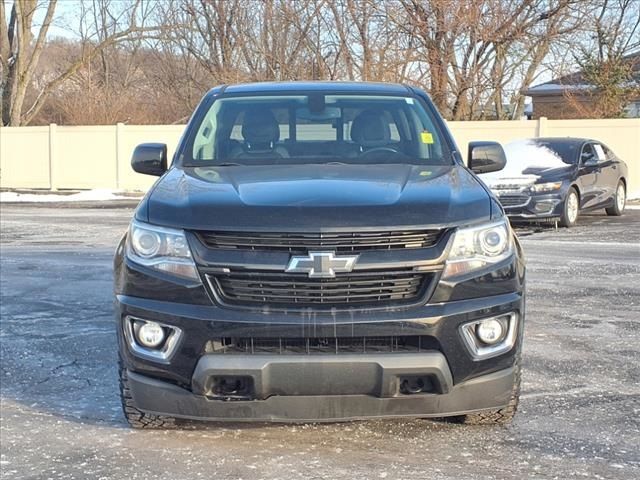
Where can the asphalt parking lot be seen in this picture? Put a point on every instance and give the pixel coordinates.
(60, 418)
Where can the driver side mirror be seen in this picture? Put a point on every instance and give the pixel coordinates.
(485, 157)
(150, 159)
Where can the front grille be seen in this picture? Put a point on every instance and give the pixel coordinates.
(370, 287)
(337, 242)
(322, 346)
(513, 200)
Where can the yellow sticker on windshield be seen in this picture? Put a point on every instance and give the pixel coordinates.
(426, 137)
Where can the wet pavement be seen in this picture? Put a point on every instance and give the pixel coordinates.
(61, 417)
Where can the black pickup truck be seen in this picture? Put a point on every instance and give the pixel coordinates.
(318, 252)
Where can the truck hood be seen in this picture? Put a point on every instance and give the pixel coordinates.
(315, 197)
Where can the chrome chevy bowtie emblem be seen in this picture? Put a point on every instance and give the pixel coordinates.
(321, 264)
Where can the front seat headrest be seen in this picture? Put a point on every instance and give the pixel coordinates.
(370, 129)
(260, 128)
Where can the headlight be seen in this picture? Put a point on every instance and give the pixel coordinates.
(545, 187)
(474, 248)
(161, 248)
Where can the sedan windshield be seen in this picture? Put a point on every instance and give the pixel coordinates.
(316, 128)
(567, 151)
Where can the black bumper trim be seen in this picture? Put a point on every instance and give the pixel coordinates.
(490, 391)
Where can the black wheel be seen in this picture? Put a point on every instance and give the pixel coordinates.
(570, 209)
(138, 418)
(619, 201)
(501, 416)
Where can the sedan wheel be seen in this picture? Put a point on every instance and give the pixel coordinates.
(571, 209)
(620, 201)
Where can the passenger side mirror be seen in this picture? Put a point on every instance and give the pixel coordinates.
(150, 159)
(485, 157)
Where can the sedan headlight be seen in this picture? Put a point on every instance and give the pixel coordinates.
(545, 187)
(160, 248)
(475, 248)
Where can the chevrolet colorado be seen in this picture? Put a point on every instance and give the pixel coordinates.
(318, 251)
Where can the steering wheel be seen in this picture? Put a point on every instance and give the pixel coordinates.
(377, 151)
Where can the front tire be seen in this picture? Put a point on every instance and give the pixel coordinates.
(570, 209)
(135, 417)
(619, 201)
(502, 416)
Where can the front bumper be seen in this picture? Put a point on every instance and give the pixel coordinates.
(535, 207)
(322, 387)
(489, 391)
(437, 324)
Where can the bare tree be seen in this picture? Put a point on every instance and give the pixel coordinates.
(472, 56)
(609, 76)
(21, 56)
(150, 61)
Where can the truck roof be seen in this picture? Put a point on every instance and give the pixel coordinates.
(319, 86)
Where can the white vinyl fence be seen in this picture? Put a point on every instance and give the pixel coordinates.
(87, 157)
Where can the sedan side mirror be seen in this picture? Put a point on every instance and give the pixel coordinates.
(485, 157)
(150, 159)
(589, 160)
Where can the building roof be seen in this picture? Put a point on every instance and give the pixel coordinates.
(319, 86)
(575, 82)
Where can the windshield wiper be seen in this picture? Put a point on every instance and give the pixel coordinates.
(229, 164)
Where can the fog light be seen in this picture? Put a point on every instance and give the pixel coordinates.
(543, 207)
(490, 331)
(152, 340)
(490, 337)
(150, 334)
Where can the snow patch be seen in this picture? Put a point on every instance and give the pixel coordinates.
(522, 155)
(87, 196)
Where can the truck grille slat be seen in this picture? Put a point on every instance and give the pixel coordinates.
(301, 283)
(311, 291)
(286, 289)
(303, 242)
(300, 278)
(323, 345)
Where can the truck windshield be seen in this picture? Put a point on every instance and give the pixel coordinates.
(316, 128)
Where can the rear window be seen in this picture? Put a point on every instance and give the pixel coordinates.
(316, 128)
